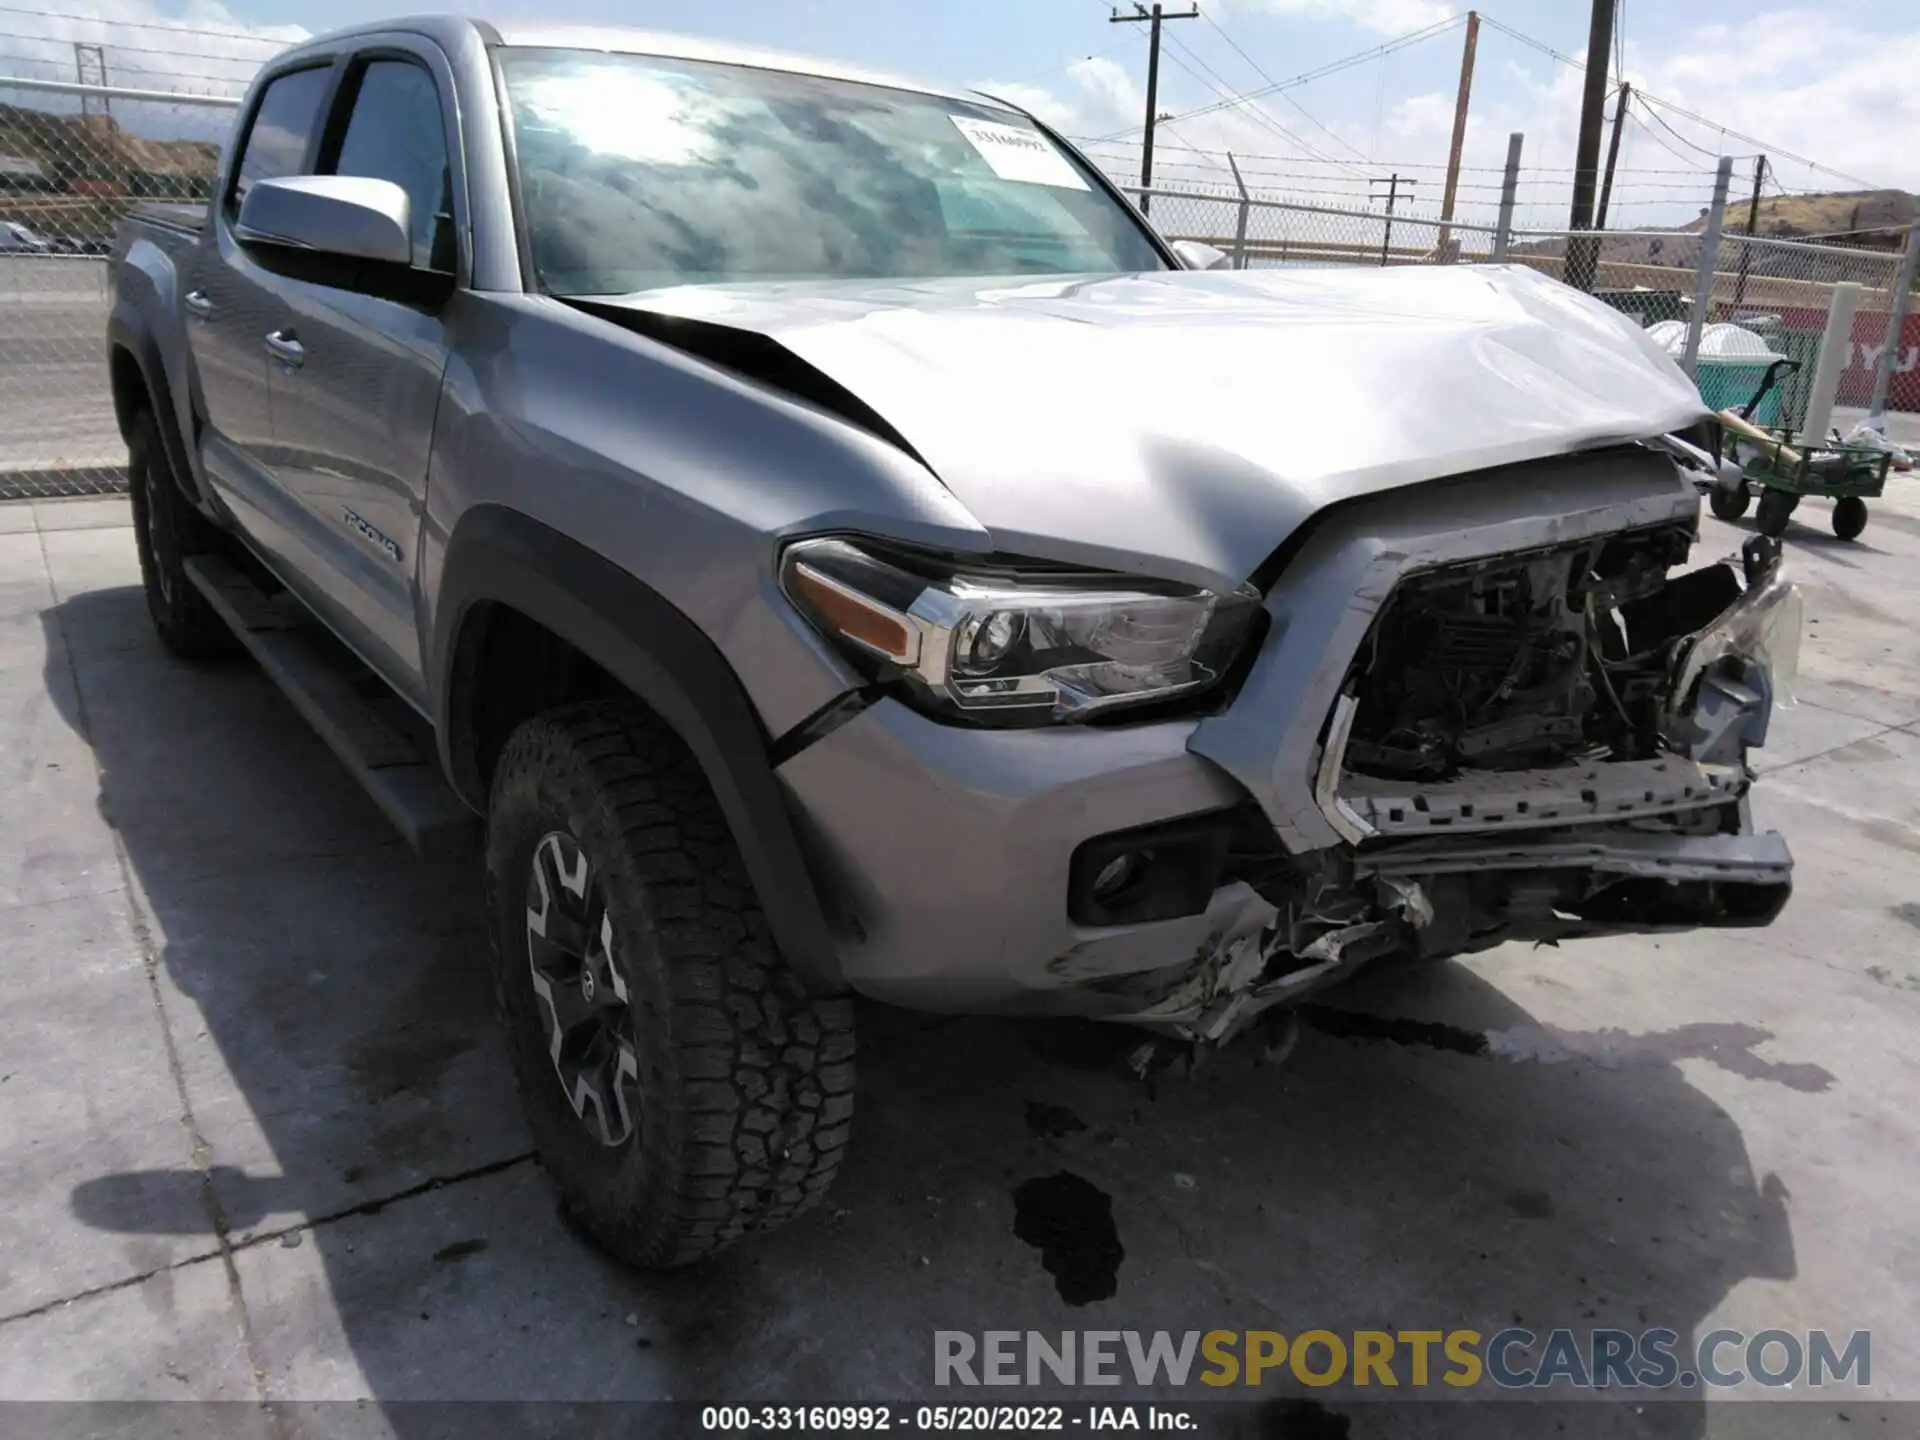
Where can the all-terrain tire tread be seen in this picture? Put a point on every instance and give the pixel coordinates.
(745, 1153)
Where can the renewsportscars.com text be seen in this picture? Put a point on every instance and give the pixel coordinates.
(1511, 1359)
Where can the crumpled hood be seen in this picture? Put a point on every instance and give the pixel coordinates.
(1185, 423)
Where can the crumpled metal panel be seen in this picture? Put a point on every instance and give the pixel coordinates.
(1184, 424)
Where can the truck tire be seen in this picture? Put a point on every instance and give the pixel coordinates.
(683, 1088)
(166, 530)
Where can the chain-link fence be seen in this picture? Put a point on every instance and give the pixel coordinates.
(73, 160)
(1260, 233)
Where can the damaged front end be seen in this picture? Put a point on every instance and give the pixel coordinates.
(1535, 745)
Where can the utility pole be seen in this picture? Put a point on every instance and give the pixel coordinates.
(1753, 228)
(90, 68)
(1613, 153)
(1459, 132)
(1583, 251)
(1393, 183)
(1153, 17)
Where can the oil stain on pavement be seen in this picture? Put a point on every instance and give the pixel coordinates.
(1069, 1220)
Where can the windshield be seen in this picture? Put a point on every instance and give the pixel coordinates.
(638, 172)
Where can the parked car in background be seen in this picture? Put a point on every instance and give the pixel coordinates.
(81, 245)
(836, 547)
(18, 239)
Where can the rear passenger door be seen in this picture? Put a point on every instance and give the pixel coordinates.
(355, 375)
(229, 304)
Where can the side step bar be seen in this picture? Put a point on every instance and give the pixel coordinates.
(325, 684)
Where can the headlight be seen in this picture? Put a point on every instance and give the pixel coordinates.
(1015, 645)
(1763, 625)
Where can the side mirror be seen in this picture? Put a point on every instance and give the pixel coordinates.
(1198, 255)
(348, 217)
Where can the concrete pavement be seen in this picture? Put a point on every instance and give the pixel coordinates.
(56, 407)
(257, 1139)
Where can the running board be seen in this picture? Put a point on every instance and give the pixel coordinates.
(329, 687)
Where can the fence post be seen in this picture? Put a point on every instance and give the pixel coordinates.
(1836, 348)
(1902, 301)
(1709, 263)
(1240, 230)
(1509, 189)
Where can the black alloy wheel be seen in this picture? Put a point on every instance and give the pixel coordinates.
(580, 994)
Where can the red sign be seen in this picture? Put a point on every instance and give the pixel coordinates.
(1869, 338)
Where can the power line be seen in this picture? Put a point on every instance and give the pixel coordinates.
(279, 42)
(1254, 113)
(1651, 135)
(1219, 85)
(1759, 145)
(64, 70)
(1654, 115)
(118, 49)
(1528, 40)
(1412, 37)
(1069, 64)
(1259, 70)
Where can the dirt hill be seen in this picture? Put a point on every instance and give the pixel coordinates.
(1875, 218)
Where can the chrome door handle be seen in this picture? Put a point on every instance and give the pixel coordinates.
(198, 304)
(282, 345)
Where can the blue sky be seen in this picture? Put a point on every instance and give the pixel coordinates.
(1838, 83)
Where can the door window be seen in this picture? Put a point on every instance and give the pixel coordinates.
(394, 132)
(276, 143)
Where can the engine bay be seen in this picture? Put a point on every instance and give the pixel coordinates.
(1550, 657)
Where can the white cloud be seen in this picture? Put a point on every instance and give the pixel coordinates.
(1389, 17)
(203, 49)
(1098, 96)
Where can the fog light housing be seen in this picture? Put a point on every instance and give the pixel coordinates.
(1158, 872)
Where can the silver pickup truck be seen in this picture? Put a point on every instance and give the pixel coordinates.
(831, 546)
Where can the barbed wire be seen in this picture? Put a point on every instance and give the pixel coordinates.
(279, 42)
(1245, 156)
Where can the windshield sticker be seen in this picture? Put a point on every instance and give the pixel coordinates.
(1016, 154)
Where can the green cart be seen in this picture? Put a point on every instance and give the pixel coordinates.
(1850, 475)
